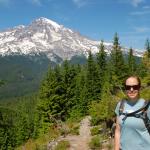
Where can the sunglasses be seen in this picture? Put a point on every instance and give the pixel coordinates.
(134, 87)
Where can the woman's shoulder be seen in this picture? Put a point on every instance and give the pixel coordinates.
(145, 101)
(121, 102)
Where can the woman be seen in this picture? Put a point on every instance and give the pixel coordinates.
(131, 132)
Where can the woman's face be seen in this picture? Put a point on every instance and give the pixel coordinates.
(132, 88)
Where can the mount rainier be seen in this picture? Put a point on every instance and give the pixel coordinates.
(27, 51)
(48, 37)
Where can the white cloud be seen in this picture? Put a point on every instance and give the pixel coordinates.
(80, 3)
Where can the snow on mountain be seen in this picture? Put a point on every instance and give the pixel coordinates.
(46, 36)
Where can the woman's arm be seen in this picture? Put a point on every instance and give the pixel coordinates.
(117, 135)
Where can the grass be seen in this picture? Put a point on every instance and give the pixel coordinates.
(95, 143)
(63, 145)
(41, 142)
(95, 130)
(73, 127)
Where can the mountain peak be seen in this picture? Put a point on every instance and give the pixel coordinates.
(46, 36)
(48, 22)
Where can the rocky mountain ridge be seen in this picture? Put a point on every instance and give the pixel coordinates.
(48, 37)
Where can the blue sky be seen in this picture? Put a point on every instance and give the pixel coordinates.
(96, 19)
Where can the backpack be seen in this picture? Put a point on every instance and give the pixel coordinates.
(140, 113)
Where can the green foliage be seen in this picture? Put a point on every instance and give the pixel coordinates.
(16, 122)
(101, 68)
(92, 80)
(21, 74)
(119, 70)
(95, 143)
(131, 63)
(75, 115)
(145, 93)
(63, 145)
(67, 93)
(95, 130)
(75, 129)
(147, 46)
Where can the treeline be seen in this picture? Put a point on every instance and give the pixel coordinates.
(16, 121)
(71, 91)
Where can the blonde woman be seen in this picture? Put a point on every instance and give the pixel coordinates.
(131, 128)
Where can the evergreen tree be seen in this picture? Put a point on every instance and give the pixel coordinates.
(101, 64)
(146, 64)
(81, 93)
(117, 62)
(47, 105)
(131, 62)
(69, 83)
(147, 46)
(93, 90)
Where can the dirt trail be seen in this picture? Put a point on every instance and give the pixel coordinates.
(81, 141)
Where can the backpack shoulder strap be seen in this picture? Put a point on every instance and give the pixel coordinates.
(145, 118)
(146, 105)
(121, 107)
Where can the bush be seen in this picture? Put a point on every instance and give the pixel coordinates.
(62, 145)
(75, 130)
(64, 131)
(95, 121)
(110, 146)
(73, 127)
(75, 115)
(95, 143)
(41, 147)
(145, 93)
(95, 130)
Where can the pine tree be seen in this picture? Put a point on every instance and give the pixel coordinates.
(146, 57)
(69, 84)
(92, 79)
(131, 62)
(146, 64)
(46, 106)
(101, 64)
(81, 93)
(117, 62)
(147, 45)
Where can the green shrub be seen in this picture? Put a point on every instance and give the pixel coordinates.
(75, 115)
(95, 143)
(95, 130)
(41, 147)
(110, 146)
(75, 130)
(145, 93)
(95, 121)
(73, 127)
(62, 145)
(64, 131)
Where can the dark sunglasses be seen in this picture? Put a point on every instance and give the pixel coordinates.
(134, 87)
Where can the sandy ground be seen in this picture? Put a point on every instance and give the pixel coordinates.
(81, 141)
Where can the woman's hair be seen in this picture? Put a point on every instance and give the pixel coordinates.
(136, 77)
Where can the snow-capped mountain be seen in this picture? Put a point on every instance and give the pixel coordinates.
(46, 36)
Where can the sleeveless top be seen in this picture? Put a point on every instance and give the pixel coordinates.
(134, 134)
